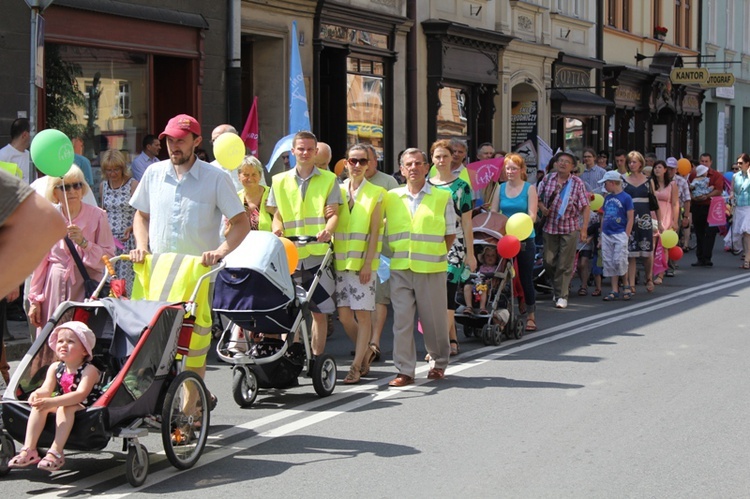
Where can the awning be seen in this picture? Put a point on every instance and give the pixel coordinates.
(579, 102)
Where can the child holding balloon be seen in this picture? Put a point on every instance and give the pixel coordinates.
(617, 223)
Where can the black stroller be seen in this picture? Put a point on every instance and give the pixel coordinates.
(257, 294)
(144, 386)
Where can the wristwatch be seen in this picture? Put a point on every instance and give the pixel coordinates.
(84, 244)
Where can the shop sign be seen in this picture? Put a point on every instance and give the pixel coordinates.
(628, 94)
(566, 77)
(688, 76)
(719, 80)
(724, 92)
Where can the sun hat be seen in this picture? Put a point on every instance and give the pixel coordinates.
(85, 335)
(701, 170)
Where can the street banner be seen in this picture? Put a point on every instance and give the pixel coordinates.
(484, 171)
(250, 132)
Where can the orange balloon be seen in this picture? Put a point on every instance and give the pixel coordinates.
(684, 166)
(292, 256)
(339, 168)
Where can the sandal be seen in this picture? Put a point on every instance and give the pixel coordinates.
(612, 296)
(632, 290)
(25, 457)
(650, 285)
(626, 295)
(745, 265)
(484, 312)
(375, 349)
(597, 292)
(583, 291)
(468, 311)
(352, 376)
(658, 280)
(51, 464)
(454, 347)
(530, 325)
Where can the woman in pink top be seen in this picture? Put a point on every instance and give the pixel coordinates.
(668, 196)
(57, 278)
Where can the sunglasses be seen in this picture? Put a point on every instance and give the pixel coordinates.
(358, 161)
(68, 187)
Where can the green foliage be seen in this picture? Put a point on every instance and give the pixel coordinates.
(63, 94)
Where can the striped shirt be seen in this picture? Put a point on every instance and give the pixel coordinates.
(591, 178)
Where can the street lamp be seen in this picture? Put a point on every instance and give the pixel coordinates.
(37, 7)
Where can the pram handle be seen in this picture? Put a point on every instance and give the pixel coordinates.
(306, 240)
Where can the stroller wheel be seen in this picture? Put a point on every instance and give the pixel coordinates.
(185, 420)
(7, 451)
(324, 375)
(136, 468)
(519, 329)
(496, 334)
(487, 334)
(244, 387)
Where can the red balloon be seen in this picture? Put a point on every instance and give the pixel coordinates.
(508, 246)
(675, 253)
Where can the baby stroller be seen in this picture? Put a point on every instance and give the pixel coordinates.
(144, 386)
(256, 293)
(502, 318)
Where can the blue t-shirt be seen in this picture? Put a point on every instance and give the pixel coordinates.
(518, 204)
(616, 208)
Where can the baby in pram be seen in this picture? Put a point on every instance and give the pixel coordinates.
(480, 288)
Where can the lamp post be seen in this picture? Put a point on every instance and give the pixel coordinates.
(37, 7)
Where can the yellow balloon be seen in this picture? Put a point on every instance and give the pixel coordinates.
(229, 150)
(596, 202)
(519, 225)
(669, 239)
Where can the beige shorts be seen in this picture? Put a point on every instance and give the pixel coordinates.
(353, 294)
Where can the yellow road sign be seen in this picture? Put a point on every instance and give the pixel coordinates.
(687, 76)
(719, 80)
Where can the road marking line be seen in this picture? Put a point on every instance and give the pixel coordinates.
(216, 452)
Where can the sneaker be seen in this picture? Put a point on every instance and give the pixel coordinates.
(561, 303)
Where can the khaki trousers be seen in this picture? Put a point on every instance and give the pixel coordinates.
(559, 257)
(423, 296)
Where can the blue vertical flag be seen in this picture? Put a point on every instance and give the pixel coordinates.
(299, 116)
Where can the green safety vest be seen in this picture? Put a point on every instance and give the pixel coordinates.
(353, 230)
(304, 217)
(417, 242)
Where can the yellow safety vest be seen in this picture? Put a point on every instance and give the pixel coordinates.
(463, 175)
(264, 218)
(418, 242)
(304, 217)
(352, 234)
(11, 168)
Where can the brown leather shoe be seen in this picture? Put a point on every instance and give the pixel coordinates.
(401, 380)
(436, 373)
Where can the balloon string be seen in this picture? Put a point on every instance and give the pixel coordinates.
(65, 197)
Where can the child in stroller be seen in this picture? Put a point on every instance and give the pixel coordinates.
(485, 284)
(70, 385)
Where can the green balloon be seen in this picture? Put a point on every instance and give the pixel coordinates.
(52, 152)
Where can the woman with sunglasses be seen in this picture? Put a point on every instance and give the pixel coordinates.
(357, 247)
(739, 197)
(57, 278)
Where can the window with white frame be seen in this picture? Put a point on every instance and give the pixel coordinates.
(572, 8)
(711, 21)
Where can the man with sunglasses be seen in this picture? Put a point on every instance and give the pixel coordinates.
(307, 201)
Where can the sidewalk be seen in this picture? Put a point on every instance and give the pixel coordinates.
(18, 343)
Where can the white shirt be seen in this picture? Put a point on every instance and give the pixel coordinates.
(10, 154)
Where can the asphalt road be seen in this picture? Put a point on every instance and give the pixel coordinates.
(646, 398)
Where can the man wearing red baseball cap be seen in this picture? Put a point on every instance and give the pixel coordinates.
(180, 203)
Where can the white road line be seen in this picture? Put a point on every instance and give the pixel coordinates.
(216, 452)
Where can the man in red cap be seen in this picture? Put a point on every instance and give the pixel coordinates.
(180, 203)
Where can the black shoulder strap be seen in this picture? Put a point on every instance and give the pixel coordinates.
(77, 258)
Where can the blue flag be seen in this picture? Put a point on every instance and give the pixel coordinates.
(299, 116)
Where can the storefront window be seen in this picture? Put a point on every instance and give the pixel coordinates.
(451, 121)
(98, 94)
(574, 136)
(365, 95)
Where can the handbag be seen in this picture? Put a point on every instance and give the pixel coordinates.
(89, 284)
(653, 203)
(717, 212)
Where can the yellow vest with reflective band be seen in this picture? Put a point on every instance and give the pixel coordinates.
(304, 217)
(172, 277)
(352, 232)
(418, 242)
(264, 218)
(463, 175)
(11, 168)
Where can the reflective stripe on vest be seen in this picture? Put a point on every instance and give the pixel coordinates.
(417, 242)
(303, 217)
(352, 232)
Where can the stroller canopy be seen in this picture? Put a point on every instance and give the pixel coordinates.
(263, 252)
